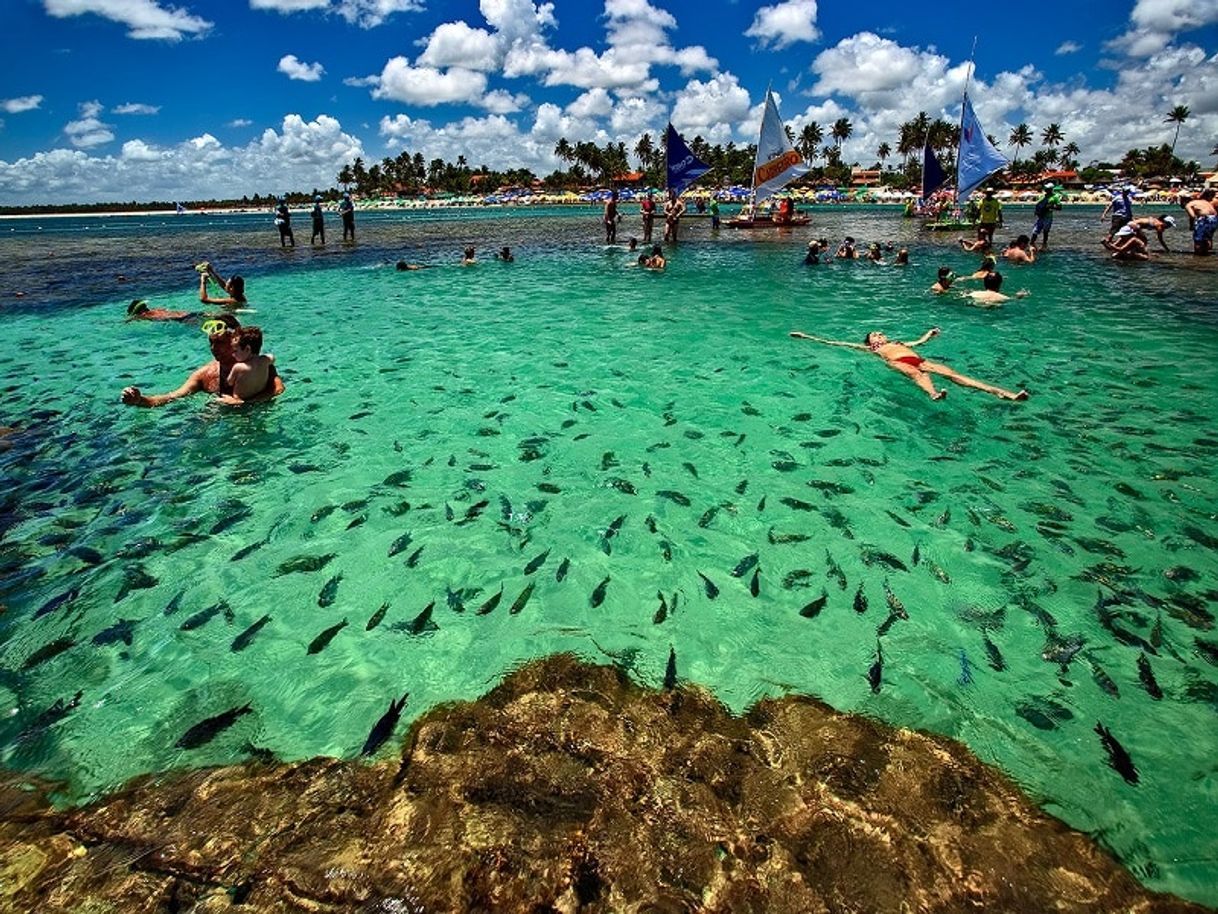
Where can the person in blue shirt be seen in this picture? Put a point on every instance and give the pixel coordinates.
(346, 209)
(1121, 209)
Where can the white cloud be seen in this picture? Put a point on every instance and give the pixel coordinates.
(88, 131)
(239, 122)
(143, 18)
(713, 109)
(785, 23)
(136, 108)
(364, 13)
(293, 68)
(500, 101)
(456, 44)
(1068, 47)
(593, 103)
(427, 86)
(24, 103)
(1157, 22)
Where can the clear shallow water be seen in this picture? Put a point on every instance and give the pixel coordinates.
(571, 371)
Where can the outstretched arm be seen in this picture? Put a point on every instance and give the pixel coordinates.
(816, 339)
(1162, 243)
(928, 335)
(132, 397)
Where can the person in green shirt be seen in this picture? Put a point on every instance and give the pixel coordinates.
(714, 213)
(990, 213)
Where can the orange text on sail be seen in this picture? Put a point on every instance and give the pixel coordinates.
(775, 167)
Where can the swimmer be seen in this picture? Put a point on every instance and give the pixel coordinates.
(902, 357)
(988, 264)
(139, 310)
(991, 296)
(981, 244)
(250, 374)
(402, 266)
(235, 287)
(845, 250)
(902, 258)
(812, 257)
(468, 259)
(944, 282)
(875, 253)
(1021, 250)
(657, 260)
(505, 254)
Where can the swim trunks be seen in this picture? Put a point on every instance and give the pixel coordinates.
(1203, 229)
(914, 360)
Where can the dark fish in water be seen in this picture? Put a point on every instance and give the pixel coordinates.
(87, 554)
(1147, 675)
(778, 539)
(421, 624)
(536, 563)
(934, 568)
(1156, 633)
(800, 577)
(563, 567)
(899, 520)
(491, 602)
(1043, 717)
(203, 616)
(413, 559)
(1208, 650)
(303, 563)
(797, 505)
(230, 520)
(741, 486)
(708, 516)
(246, 551)
(674, 496)
(690, 468)
(944, 519)
(548, 487)
(242, 641)
(205, 731)
(625, 486)
(831, 488)
(505, 507)
(323, 512)
(812, 610)
(608, 460)
(47, 651)
(1181, 574)
(1118, 758)
(397, 510)
(761, 504)
(611, 532)
(329, 591)
(448, 511)
(383, 728)
(400, 478)
(522, 600)
(119, 631)
(51, 716)
(666, 550)
(473, 512)
(1062, 650)
(745, 565)
(860, 600)
(834, 571)
(172, 606)
(711, 590)
(966, 670)
(879, 556)
(320, 643)
(400, 544)
(875, 673)
(598, 594)
(670, 670)
(1103, 680)
(755, 583)
(650, 524)
(55, 602)
(838, 521)
(894, 603)
(662, 613)
(994, 655)
(888, 623)
(984, 619)
(134, 578)
(377, 617)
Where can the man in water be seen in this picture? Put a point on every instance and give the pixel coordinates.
(212, 378)
(1121, 209)
(990, 215)
(1136, 228)
(1021, 250)
(610, 218)
(283, 222)
(1045, 206)
(991, 295)
(674, 209)
(902, 357)
(1202, 220)
(346, 209)
(648, 209)
(505, 255)
(944, 282)
(319, 222)
(139, 310)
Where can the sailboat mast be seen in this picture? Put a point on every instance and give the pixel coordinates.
(968, 75)
(757, 151)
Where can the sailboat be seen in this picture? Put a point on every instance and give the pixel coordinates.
(777, 164)
(683, 167)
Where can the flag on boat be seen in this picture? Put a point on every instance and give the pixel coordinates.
(933, 175)
(684, 168)
(777, 164)
(978, 159)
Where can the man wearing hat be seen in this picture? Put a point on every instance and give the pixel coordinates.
(1132, 234)
(346, 209)
(283, 222)
(1121, 209)
(1045, 206)
(319, 222)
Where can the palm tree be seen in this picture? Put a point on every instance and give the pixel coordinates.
(1020, 137)
(1069, 151)
(563, 150)
(809, 139)
(644, 149)
(1052, 136)
(883, 152)
(842, 128)
(1178, 115)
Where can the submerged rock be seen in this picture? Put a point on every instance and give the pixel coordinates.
(570, 788)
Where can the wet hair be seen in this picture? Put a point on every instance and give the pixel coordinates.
(642, 260)
(469, 252)
(903, 255)
(248, 337)
(137, 306)
(228, 320)
(867, 338)
(988, 262)
(992, 281)
(1207, 194)
(402, 265)
(1022, 241)
(236, 288)
(945, 274)
(656, 249)
(505, 251)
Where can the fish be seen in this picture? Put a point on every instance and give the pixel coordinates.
(608, 460)
(384, 727)
(711, 590)
(813, 609)
(834, 571)
(860, 599)
(650, 523)
(172, 606)
(304, 563)
(888, 623)
(57, 601)
(670, 670)
(625, 486)
(47, 651)
(448, 511)
(917, 554)
(742, 486)
(203, 616)
(690, 468)
(242, 641)
(1118, 758)
(323, 512)
(400, 544)
(761, 504)
(1103, 680)
(966, 671)
(674, 496)
(401, 478)
(421, 624)
(1147, 675)
(52, 715)
(329, 591)
(377, 617)
(549, 488)
(1062, 651)
(206, 730)
(413, 559)
(1156, 633)
(879, 556)
(708, 516)
(87, 554)
(598, 593)
(536, 563)
(134, 578)
(875, 672)
(755, 583)
(797, 578)
(778, 539)
(491, 602)
(894, 602)
(611, 532)
(522, 600)
(563, 567)
(944, 519)
(797, 505)
(397, 510)
(838, 521)
(234, 517)
(246, 551)
(666, 550)
(934, 568)
(745, 565)
(473, 512)
(994, 655)
(119, 631)
(831, 488)
(319, 644)
(662, 612)
(1207, 649)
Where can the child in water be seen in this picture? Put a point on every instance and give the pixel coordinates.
(251, 371)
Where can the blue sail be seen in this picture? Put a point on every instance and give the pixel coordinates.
(684, 168)
(978, 159)
(933, 175)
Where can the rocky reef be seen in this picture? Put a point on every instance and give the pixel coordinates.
(569, 788)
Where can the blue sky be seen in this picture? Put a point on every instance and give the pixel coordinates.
(139, 99)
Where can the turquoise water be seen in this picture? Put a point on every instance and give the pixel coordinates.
(566, 391)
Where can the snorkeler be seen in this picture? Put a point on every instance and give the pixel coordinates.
(902, 357)
(944, 282)
(139, 310)
(992, 296)
(235, 287)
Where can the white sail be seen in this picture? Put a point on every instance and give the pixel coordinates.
(777, 163)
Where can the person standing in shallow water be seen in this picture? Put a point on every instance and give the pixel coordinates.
(674, 209)
(610, 218)
(901, 356)
(648, 209)
(346, 209)
(319, 222)
(283, 222)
